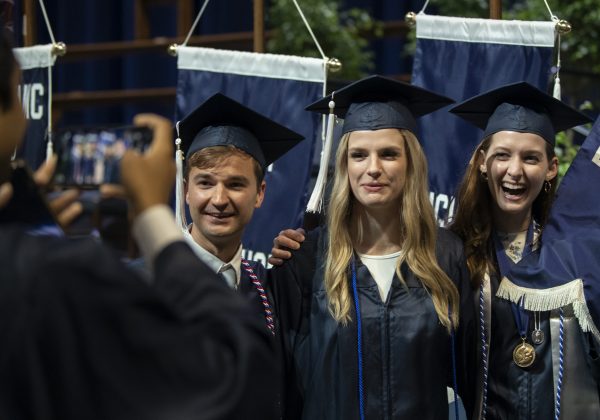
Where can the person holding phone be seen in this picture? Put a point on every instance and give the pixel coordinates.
(85, 338)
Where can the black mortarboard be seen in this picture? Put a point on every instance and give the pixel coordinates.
(221, 121)
(377, 102)
(519, 107)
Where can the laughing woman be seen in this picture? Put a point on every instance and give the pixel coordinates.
(503, 204)
(374, 307)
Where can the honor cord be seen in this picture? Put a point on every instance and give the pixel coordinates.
(484, 359)
(358, 344)
(454, 380)
(561, 363)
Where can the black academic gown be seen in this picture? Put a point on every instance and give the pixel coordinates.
(84, 338)
(514, 392)
(406, 351)
(529, 393)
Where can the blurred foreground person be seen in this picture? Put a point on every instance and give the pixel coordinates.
(83, 337)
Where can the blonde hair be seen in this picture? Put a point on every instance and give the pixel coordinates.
(418, 230)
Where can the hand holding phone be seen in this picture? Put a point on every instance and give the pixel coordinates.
(148, 178)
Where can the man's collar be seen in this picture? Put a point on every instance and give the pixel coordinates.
(214, 263)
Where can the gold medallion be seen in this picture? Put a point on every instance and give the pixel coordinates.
(524, 355)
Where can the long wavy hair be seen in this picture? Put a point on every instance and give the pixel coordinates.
(418, 233)
(473, 220)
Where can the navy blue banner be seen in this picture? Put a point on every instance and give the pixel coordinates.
(33, 92)
(287, 179)
(461, 69)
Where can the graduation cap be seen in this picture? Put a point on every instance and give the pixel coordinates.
(221, 121)
(377, 102)
(372, 103)
(519, 107)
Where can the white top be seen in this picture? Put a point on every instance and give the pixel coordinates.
(382, 268)
(231, 270)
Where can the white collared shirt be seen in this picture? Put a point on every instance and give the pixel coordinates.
(230, 270)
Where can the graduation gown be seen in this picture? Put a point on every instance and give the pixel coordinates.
(407, 355)
(83, 337)
(529, 393)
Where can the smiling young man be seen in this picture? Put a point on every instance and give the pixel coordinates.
(228, 148)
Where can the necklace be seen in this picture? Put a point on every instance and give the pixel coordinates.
(537, 335)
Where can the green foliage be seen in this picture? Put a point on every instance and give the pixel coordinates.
(340, 33)
(565, 149)
(579, 48)
(565, 152)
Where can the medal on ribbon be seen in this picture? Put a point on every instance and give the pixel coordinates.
(523, 353)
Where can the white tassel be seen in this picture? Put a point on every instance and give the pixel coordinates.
(315, 202)
(49, 148)
(557, 93)
(180, 218)
(49, 145)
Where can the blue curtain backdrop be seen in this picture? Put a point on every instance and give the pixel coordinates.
(279, 97)
(459, 58)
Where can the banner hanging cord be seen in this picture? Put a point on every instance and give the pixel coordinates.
(200, 13)
(325, 60)
(43, 8)
(552, 15)
(310, 31)
(424, 7)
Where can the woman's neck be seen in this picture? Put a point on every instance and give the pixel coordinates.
(381, 233)
(511, 223)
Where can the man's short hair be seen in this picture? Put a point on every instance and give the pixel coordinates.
(209, 157)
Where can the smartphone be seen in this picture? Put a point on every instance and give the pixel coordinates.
(28, 205)
(91, 156)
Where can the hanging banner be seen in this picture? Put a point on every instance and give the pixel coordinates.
(567, 269)
(35, 94)
(459, 58)
(278, 87)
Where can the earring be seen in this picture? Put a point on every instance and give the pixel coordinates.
(547, 186)
(484, 176)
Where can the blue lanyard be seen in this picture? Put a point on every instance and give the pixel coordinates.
(361, 397)
(504, 264)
